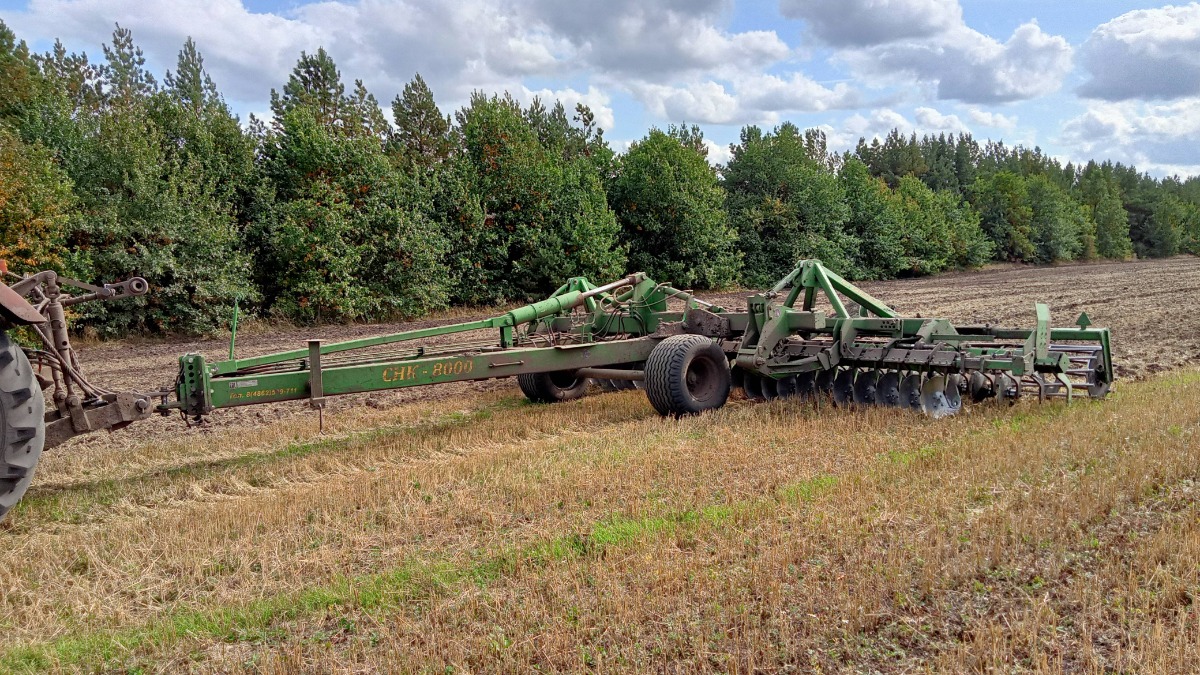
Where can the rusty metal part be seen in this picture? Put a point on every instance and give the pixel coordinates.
(80, 407)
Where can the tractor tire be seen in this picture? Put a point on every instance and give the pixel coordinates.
(686, 375)
(22, 421)
(554, 387)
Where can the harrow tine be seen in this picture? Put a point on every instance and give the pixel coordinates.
(887, 390)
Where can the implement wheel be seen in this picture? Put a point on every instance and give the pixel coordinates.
(22, 421)
(560, 385)
(686, 375)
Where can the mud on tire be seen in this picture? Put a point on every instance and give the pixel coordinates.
(22, 415)
(686, 375)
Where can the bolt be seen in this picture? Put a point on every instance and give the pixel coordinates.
(142, 405)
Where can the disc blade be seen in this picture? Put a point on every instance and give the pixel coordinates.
(1007, 388)
(770, 388)
(864, 387)
(753, 386)
(823, 382)
(910, 391)
(806, 385)
(981, 387)
(788, 387)
(953, 392)
(843, 387)
(887, 390)
(933, 397)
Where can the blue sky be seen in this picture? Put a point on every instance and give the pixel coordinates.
(1085, 79)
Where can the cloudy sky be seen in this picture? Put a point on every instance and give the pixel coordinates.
(1080, 78)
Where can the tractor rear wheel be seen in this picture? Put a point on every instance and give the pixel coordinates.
(686, 375)
(560, 385)
(22, 421)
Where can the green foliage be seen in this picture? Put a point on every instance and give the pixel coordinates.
(19, 77)
(669, 205)
(1058, 229)
(526, 218)
(150, 204)
(1002, 200)
(36, 205)
(937, 231)
(1102, 197)
(895, 158)
(786, 207)
(337, 236)
(422, 137)
(1167, 227)
(876, 221)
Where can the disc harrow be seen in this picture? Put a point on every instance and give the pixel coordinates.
(797, 341)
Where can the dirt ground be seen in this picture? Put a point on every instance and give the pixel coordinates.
(1151, 306)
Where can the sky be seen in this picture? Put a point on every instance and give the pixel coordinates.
(1079, 78)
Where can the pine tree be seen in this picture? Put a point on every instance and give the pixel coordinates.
(1100, 193)
(190, 84)
(126, 80)
(315, 85)
(422, 136)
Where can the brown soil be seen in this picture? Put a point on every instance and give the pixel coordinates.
(1149, 305)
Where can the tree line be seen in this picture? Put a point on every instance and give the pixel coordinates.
(329, 211)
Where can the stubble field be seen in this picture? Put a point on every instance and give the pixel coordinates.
(459, 529)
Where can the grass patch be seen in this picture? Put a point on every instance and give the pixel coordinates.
(976, 513)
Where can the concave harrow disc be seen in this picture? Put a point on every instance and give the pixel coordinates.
(887, 390)
(864, 387)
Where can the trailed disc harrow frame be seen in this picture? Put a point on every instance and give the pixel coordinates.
(813, 335)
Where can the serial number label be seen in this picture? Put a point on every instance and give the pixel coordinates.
(264, 393)
(427, 371)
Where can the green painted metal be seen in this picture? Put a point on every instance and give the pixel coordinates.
(582, 325)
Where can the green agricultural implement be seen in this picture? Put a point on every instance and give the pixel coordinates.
(812, 337)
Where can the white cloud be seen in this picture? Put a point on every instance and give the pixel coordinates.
(653, 41)
(1149, 53)
(988, 118)
(1158, 137)
(931, 120)
(717, 153)
(593, 98)
(929, 42)
(863, 23)
(704, 102)
(966, 65)
(752, 98)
